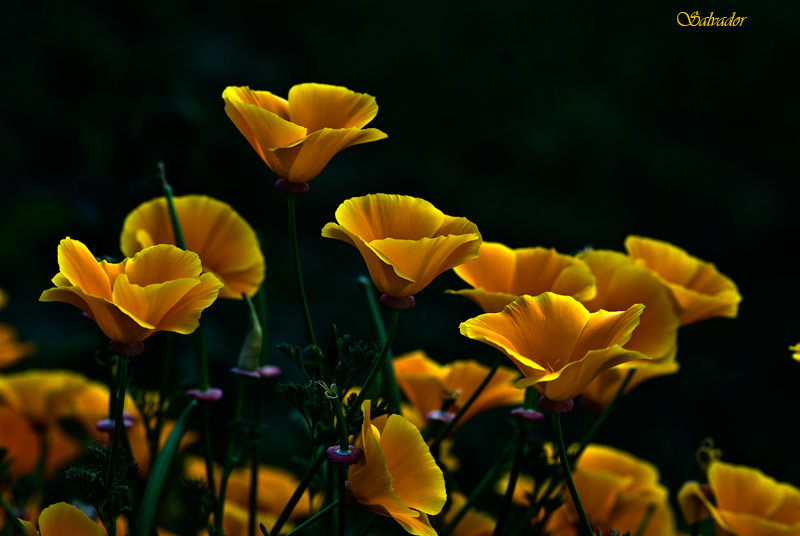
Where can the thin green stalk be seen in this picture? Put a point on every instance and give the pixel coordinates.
(573, 491)
(313, 519)
(290, 204)
(298, 492)
(251, 517)
(163, 392)
(388, 382)
(645, 520)
(376, 366)
(450, 425)
(227, 466)
(500, 461)
(342, 474)
(173, 215)
(599, 421)
(119, 428)
(374, 311)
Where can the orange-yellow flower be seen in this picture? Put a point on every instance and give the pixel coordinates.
(427, 384)
(405, 241)
(63, 519)
(160, 289)
(699, 289)
(617, 491)
(34, 403)
(744, 502)
(500, 275)
(557, 344)
(620, 283)
(297, 137)
(795, 351)
(224, 241)
(397, 475)
(11, 350)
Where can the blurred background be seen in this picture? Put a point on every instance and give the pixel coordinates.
(556, 125)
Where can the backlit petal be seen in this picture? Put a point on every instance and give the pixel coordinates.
(78, 265)
(161, 263)
(63, 519)
(264, 129)
(185, 316)
(318, 106)
(263, 99)
(377, 216)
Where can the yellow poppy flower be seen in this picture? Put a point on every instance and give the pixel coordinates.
(795, 351)
(405, 241)
(297, 137)
(557, 344)
(617, 491)
(427, 384)
(11, 350)
(699, 289)
(160, 289)
(224, 241)
(34, 402)
(63, 519)
(743, 502)
(500, 275)
(620, 283)
(396, 475)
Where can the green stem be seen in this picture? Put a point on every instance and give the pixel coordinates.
(119, 428)
(251, 518)
(450, 425)
(12, 517)
(290, 203)
(645, 520)
(573, 491)
(163, 393)
(500, 461)
(298, 492)
(342, 473)
(374, 311)
(227, 466)
(313, 519)
(388, 382)
(599, 421)
(173, 215)
(376, 366)
(520, 439)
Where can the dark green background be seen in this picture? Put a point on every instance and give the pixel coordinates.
(561, 125)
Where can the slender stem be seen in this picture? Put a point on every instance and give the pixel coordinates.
(342, 474)
(573, 491)
(376, 366)
(645, 520)
(119, 428)
(290, 204)
(388, 382)
(450, 425)
(12, 517)
(201, 358)
(251, 518)
(205, 417)
(500, 461)
(313, 519)
(227, 466)
(374, 311)
(163, 391)
(173, 215)
(599, 421)
(298, 492)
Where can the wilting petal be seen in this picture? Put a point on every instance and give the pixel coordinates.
(318, 106)
(63, 519)
(700, 290)
(79, 266)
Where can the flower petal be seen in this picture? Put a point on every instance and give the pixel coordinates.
(160, 263)
(185, 316)
(301, 160)
(318, 106)
(416, 479)
(377, 216)
(63, 519)
(79, 266)
(263, 99)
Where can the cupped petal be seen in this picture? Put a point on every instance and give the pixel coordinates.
(262, 128)
(318, 106)
(378, 216)
(262, 99)
(700, 290)
(416, 479)
(161, 263)
(63, 519)
(608, 328)
(184, 317)
(224, 241)
(302, 160)
(79, 266)
(424, 259)
(149, 304)
(745, 490)
(114, 323)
